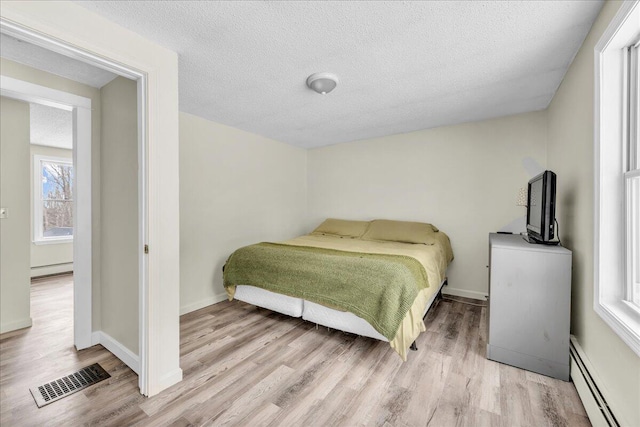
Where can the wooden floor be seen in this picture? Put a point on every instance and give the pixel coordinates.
(247, 366)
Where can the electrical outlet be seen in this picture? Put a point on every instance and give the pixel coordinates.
(4, 213)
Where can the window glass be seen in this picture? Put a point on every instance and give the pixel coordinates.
(57, 202)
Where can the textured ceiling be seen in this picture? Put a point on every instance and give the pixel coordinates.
(402, 65)
(55, 63)
(50, 126)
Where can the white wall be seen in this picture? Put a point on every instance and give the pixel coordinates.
(236, 188)
(42, 78)
(14, 229)
(571, 152)
(56, 257)
(119, 201)
(464, 179)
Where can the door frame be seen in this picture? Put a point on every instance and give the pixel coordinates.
(68, 28)
(81, 107)
(82, 224)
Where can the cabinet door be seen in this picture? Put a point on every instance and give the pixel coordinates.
(530, 303)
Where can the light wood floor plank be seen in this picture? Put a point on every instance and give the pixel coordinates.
(246, 366)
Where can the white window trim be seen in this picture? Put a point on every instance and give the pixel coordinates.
(632, 211)
(609, 191)
(38, 238)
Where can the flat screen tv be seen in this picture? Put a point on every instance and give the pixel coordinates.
(541, 208)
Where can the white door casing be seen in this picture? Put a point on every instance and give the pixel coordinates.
(67, 28)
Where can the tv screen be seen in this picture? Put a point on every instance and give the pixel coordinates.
(541, 203)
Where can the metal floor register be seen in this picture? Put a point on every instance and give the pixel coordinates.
(65, 386)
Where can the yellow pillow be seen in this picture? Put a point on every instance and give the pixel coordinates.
(341, 227)
(400, 231)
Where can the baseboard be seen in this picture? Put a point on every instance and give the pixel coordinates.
(15, 325)
(166, 381)
(48, 270)
(118, 350)
(586, 382)
(448, 290)
(202, 303)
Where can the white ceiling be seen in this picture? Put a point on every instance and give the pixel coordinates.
(55, 63)
(51, 126)
(403, 66)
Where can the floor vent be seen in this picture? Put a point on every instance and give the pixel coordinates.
(65, 386)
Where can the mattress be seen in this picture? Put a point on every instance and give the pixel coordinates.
(434, 258)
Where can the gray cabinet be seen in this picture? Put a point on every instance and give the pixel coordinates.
(529, 305)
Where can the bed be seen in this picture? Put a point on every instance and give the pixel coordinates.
(371, 278)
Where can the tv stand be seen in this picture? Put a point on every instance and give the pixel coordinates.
(529, 305)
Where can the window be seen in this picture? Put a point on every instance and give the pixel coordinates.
(53, 200)
(617, 176)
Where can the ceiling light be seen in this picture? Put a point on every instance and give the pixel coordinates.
(322, 83)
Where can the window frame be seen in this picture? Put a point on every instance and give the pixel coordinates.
(632, 211)
(611, 169)
(632, 177)
(38, 212)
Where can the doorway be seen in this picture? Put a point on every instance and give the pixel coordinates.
(114, 317)
(80, 108)
(70, 29)
(105, 189)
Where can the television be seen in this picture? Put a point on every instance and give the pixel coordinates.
(541, 208)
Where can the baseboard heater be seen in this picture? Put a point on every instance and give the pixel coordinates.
(592, 399)
(51, 270)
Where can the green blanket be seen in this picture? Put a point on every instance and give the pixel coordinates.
(379, 288)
